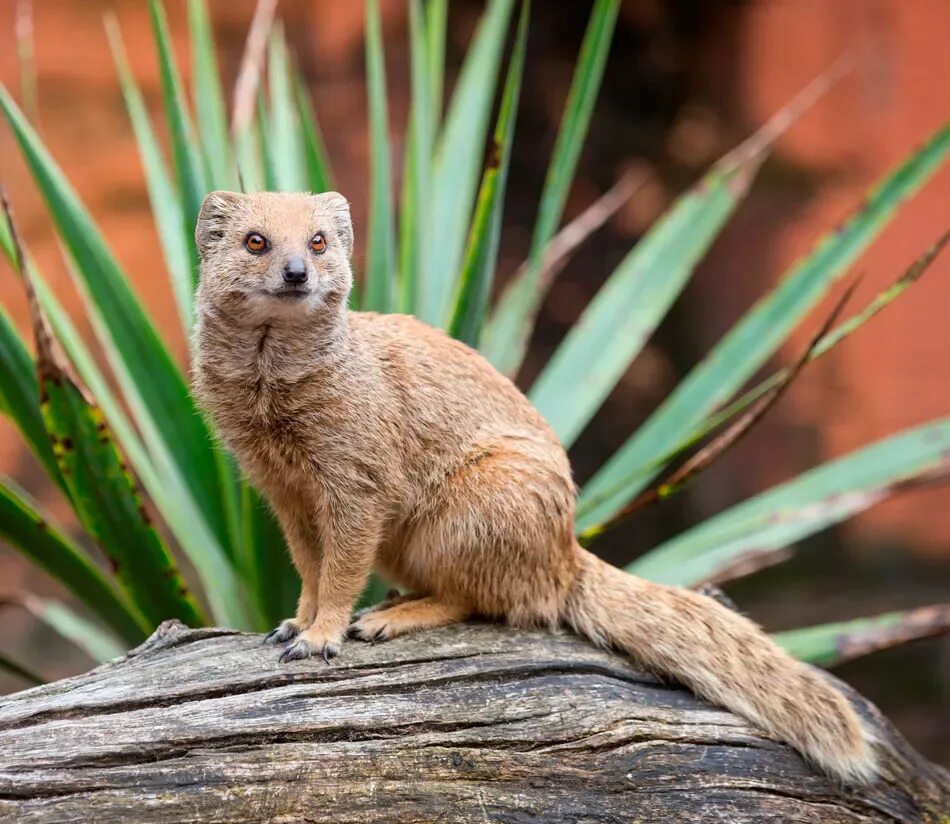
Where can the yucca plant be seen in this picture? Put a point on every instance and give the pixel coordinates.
(434, 256)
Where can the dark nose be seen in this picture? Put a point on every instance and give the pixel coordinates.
(295, 271)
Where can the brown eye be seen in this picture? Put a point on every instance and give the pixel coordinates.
(256, 243)
(318, 243)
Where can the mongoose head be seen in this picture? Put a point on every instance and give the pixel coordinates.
(273, 255)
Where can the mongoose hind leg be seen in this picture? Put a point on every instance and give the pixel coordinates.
(496, 534)
(392, 599)
(411, 615)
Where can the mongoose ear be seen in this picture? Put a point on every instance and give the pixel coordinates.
(338, 207)
(216, 212)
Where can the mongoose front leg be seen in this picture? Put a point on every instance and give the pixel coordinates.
(290, 628)
(348, 550)
(304, 541)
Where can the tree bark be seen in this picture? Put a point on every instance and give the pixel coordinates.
(471, 723)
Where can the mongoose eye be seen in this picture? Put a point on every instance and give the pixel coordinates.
(318, 243)
(256, 243)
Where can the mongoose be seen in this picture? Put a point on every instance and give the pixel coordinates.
(382, 443)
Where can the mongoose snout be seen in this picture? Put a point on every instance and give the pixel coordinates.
(381, 442)
(295, 271)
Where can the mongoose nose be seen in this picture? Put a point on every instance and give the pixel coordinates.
(295, 271)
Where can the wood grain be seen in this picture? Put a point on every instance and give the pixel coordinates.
(471, 723)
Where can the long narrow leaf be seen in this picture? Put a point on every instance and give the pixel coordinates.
(192, 186)
(712, 451)
(378, 293)
(92, 638)
(108, 503)
(266, 162)
(756, 337)
(415, 179)
(284, 136)
(178, 507)
(829, 645)
(481, 254)
(101, 489)
(6, 239)
(620, 319)
(437, 12)
(572, 235)
(92, 376)
(209, 99)
(153, 385)
(166, 208)
(794, 510)
(319, 175)
(248, 152)
(24, 527)
(828, 342)
(248, 80)
(506, 337)
(457, 164)
(245, 137)
(20, 396)
(185, 470)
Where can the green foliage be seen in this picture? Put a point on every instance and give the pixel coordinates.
(22, 525)
(436, 257)
(507, 333)
(481, 251)
(379, 291)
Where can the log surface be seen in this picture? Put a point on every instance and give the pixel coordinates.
(471, 723)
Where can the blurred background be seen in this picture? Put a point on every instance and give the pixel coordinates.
(685, 82)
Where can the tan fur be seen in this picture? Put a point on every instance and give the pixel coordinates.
(381, 442)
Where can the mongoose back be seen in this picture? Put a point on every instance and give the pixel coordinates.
(382, 443)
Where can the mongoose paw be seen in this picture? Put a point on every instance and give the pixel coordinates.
(301, 648)
(370, 627)
(283, 632)
(392, 598)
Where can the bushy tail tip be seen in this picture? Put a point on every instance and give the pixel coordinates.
(724, 658)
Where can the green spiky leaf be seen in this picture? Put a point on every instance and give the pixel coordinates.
(23, 526)
(175, 236)
(189, 170)
(209, 99)
(181, 469)
(800, 507)
(457, 164)
(828, 645)
(378, 292)
(755, 338)
(481, 253)
(283, 137)
(506, 337)
(20, 396)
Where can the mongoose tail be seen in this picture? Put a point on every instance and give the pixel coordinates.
(724, 658)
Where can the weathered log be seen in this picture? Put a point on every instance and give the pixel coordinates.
(470, 723)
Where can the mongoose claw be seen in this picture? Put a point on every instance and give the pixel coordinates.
(301, 649)
(283, 632)
(368, 630)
